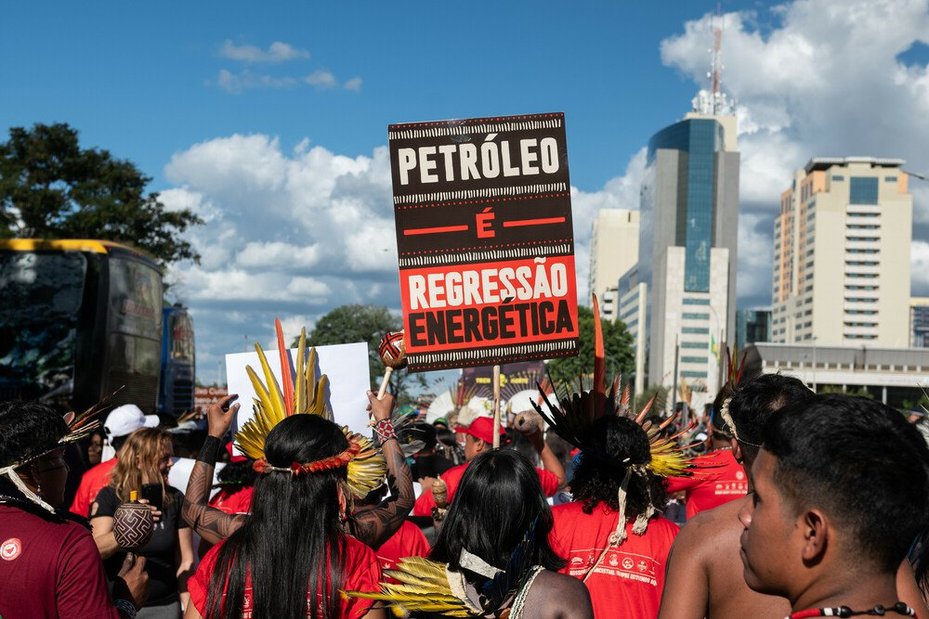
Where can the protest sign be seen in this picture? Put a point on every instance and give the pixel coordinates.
(346, 365)
(485, 240)
(204, 396)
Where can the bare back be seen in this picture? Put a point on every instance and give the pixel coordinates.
(704, 576)
(556, 596)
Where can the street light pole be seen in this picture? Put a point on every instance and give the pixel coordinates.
(814, 364)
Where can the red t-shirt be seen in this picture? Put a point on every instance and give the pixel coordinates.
(49, 569)
(452, 477)
(408, 541)
(717, 479)
(362, 573)
(628, 582)
(93, 481)
(238, 501)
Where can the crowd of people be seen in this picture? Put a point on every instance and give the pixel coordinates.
(799, 505)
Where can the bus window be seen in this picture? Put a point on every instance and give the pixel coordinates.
(135, 299)
(42, 295)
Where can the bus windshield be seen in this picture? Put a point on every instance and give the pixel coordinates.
(42, 295)
(182, 337)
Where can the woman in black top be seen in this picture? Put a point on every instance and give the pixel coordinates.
(145, 460)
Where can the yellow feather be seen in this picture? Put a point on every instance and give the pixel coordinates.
(275, 395)
(301, 386)
(262, 399)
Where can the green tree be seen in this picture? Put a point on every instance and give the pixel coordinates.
(50, 187)
(617, 344)
(365, 323)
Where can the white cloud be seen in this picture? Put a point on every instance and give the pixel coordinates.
(320, 79)
(237, 83)
(289, 234)
(275, 255)
(246, 79)
(277, 52)
(822, 79)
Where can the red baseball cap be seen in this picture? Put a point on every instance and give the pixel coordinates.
(234, 458)
(482, 428)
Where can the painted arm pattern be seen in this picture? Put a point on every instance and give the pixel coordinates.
(376, 526)
(211, 524)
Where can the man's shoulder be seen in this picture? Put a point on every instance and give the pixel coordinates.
(560, 587)
(706, 529)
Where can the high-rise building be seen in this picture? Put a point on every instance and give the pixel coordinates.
(919, 322)
(842, 255)
(752, 326)
(632, 296)
(687, 245)
(614, 249)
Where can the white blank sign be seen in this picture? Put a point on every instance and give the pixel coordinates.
(345, 364)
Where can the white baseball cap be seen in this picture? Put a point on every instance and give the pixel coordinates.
(126, 419)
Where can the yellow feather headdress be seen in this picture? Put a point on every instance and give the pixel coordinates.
(423, 586)
(303, 394)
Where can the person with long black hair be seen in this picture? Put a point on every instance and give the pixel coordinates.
(492, 554)
(308, 394)
(301, 544)
(291, 556)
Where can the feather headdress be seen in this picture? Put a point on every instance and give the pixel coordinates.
(301, 393)
(734, 376)
(422, 586)
(572, 414)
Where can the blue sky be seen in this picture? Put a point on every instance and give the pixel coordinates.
(270, 119)
(141, 79)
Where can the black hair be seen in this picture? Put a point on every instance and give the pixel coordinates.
(755, 402)
(612, 444)
(237, 474)
(117, 442)
(862, 463)
(498, 502)
(292, 546)
(28, 429)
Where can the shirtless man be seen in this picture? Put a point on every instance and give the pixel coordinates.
(704, 579)
(841, 492)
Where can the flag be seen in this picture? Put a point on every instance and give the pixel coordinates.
(714, 346)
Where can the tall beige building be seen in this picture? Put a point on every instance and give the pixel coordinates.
(614, 249)
(842, 255)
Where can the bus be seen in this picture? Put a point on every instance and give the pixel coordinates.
(176, 394)
(80, 320)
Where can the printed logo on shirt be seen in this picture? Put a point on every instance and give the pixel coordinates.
(737, 488)
(10, 549)
(618, 564)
